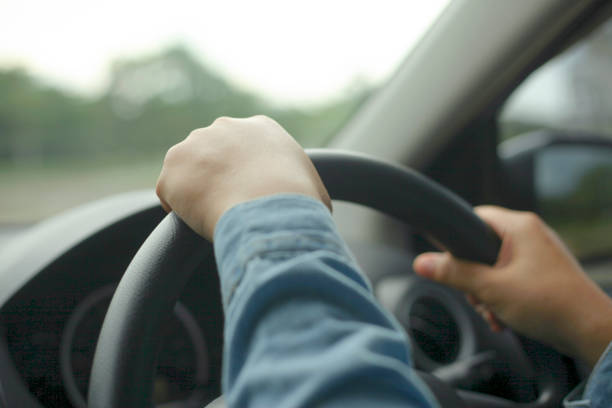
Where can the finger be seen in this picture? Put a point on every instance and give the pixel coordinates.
(448, 270)
(159, 192)
(165, 206)
(503, 219)
(494, 323)
(497, 218)
(487, 315)
(472, 299)
(481, 310)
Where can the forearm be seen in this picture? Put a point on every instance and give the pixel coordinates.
(302, 326)
(589, 324)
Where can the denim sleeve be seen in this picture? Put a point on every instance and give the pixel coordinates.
(303, 328)
(597, 391)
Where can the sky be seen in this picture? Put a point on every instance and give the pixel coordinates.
(290, 51)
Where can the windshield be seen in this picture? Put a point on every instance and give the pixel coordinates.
(94, 95)
(571, 93)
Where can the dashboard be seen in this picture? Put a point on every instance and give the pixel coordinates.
(50, 324)
(56, 282)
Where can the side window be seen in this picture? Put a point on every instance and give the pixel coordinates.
(569, 100)
(571, 92)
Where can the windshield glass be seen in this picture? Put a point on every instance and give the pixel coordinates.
(571, 93)
(94, 94)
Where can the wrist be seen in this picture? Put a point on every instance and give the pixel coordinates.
(593, 328)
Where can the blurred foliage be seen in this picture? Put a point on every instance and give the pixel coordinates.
(583, 216)
(150, 104)
(58, 149)
(590, 198)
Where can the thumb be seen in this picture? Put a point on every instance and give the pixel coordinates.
(448, 270)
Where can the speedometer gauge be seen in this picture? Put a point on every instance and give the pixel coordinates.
(182, 371)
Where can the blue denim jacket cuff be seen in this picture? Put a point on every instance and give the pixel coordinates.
(575, 398)
(277, 225)
(597, 391)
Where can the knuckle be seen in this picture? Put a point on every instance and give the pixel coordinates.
(196, 133)
(531, 220)
(262, 118)
(173, 153)
(159, 188)
(222, 120)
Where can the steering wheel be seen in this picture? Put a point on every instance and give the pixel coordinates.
(125, 357)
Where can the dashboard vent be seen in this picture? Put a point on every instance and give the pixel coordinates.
(434, 330)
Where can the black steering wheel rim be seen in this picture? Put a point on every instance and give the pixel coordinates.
(124, 361)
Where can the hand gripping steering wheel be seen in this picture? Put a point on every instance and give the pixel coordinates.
(125, 358)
